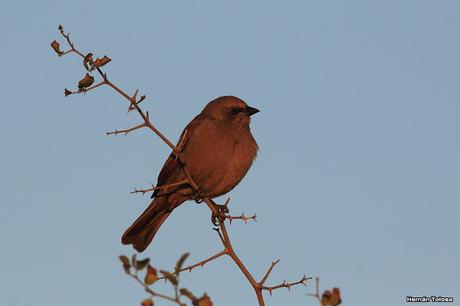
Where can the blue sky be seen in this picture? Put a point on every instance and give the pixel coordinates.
(357, 178)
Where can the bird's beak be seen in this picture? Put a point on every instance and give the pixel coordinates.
(251, 110)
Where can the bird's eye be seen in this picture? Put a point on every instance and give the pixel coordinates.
(235, 110)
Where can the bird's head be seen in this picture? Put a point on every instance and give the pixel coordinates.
(229, 109)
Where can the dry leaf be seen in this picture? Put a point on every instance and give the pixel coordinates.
(85, 82)
(188, 294)
(151, 275)
(67, 92)
(99, 62)
(180, 263)
(55, 46)
(125, 261)
(141, 264)
(335, 298)
(204, 301)
(147, 302)
(326, 298)
(331, 298)
(171, 277)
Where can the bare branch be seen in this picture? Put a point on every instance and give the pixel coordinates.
(116, 132)
(67, 37)
(242, 217)
(316, 294)
(287, 285)
(181, 144)
(274, 263)
(199, 264)
(217, 229)
(130, 108)
(143, 191)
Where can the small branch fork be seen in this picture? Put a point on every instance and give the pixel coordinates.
(258, 287)
(316, 294)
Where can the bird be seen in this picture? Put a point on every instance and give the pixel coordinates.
(216, 149)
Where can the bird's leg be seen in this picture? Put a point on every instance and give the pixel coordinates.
(199, 195)
(216, 218)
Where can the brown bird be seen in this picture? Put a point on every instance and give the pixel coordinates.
(216, 148)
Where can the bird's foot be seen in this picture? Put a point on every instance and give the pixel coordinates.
(219, 211)
(219, 217)
(199, 195)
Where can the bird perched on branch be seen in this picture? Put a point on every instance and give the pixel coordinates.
(216, 149)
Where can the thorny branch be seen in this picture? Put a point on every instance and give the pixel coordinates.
(222, 230)
(199, 264)
(274, 263)
(285, 284)
(243, 217)
(163, 187)
(116, 132)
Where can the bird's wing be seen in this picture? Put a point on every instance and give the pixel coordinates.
(172, 164)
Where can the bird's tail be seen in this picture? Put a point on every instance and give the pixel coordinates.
(142, 231)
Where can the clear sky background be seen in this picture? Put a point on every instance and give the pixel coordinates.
(357, 178)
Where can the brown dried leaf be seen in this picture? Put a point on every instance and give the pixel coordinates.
(169, 276)
(326, 298)
(180, 263)
(99, 62)
(141, 264)
(147, 302)
(125, 261)
(85, 82)
(204, 301)
(187, 293)
(151, 275)
(67, 92)
(133, 260)
(55, 46)
(336, 299)
(331, 298)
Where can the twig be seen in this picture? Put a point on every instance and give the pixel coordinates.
(116, 132)
(287, 285)
(316, 294)
(143, 191)
(242, 217)
(67, 37)
(199, 264)
(131, 99)
(274, 263)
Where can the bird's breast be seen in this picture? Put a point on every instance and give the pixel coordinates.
(220, 158)
(242, 152)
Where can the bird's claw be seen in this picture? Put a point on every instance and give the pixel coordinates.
(219, 218)
(220, 211)
(199, 195)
